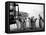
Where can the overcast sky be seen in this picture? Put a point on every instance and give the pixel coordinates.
(31, 9)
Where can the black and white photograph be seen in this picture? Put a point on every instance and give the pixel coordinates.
(24, 17)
